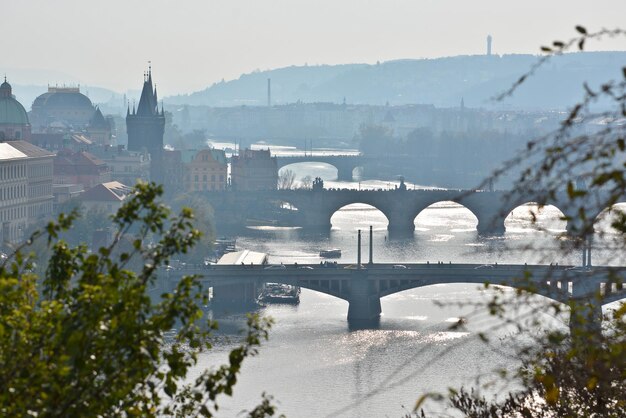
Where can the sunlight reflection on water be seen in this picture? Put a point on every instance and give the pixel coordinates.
(315, 365)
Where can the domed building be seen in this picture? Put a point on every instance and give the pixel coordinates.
(61, 108)
(14, 123)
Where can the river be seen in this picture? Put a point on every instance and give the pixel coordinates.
(316, 366)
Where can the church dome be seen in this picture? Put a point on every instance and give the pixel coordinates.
(66, 105)
(63, 97)
(11, 111)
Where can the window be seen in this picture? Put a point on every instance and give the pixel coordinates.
(204, 178)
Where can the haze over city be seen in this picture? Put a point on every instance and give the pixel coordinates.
(195, 43)
(297, 208)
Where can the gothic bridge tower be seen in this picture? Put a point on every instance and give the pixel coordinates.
(145, 127)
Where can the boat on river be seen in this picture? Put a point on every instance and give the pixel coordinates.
(280, 293)
(331, 253)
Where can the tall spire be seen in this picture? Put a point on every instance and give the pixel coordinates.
(147, 102)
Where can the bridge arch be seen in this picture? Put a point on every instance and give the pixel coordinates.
(446, 211)
(345, 164)
(602, 221)
(368, 214)
(530, 216)
(391, 287)
(312, 169)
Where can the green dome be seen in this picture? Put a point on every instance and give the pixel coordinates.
(11, 111)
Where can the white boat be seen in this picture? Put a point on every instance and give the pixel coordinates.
(331, 253)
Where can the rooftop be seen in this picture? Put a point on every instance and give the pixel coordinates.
(21, 149)
(245, 257)
(112, 191)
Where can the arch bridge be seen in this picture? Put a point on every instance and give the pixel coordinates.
(363, 287)
(345, 164)
(400, 206)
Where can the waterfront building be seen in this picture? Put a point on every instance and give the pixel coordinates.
(145, 127)
(254, 170)
(14, 124)
(25, 188)
(61, 109)
(80, 168)
(205, 169)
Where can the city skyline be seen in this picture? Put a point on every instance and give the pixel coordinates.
(217, 41)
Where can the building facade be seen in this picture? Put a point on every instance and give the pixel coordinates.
(145, 127)
(174, 169)
(14, 124)
(254, 170)
(205, 170)
(25, 188)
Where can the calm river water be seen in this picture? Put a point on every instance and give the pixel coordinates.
(315, 366)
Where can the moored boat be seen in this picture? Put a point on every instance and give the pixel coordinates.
(331, 253)
(280, 293)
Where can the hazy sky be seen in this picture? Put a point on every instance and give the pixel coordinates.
(193, 43)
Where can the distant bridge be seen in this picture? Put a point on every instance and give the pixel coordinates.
(363, 288)
(400, 207)
(345, 164)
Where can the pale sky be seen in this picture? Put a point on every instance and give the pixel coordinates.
(193, 43)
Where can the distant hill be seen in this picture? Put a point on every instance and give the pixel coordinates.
(442, 82)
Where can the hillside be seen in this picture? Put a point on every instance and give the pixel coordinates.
(442, 82)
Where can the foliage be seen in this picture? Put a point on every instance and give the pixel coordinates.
(286, 179)
(583, 372)
(85, 224)
(89, 341)
(203, 222)
(374, 138)
(306, 183)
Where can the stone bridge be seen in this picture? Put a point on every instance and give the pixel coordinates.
(400, 207)
(363, 288)
(345, 164)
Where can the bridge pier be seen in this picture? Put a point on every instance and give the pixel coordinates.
(344, 173)
(404, 226)
(585, 308)
(364, 302)
(493, 227)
